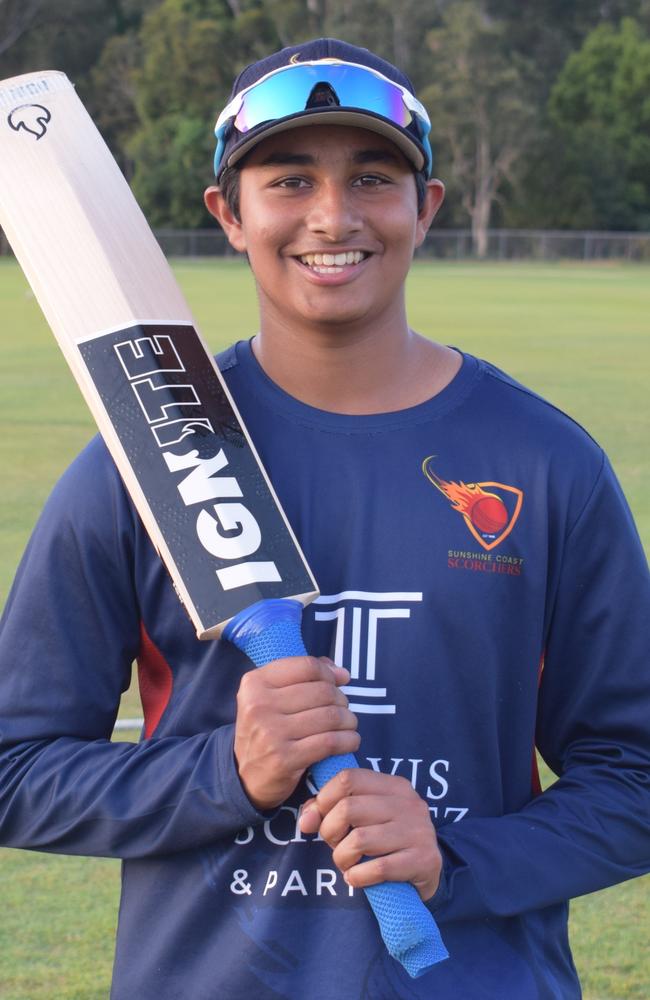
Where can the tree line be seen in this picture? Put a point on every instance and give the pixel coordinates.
(540, 111)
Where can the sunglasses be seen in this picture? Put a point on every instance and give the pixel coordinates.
(321, 84)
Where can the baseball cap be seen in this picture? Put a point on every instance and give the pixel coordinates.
(323, 81)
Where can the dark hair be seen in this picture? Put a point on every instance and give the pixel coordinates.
(229, 187)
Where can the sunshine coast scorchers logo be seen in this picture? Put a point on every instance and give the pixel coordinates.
(489, 509)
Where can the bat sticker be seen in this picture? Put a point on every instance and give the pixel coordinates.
(33, 118)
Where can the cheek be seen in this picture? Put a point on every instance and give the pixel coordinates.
(398, 222)
(265, 236)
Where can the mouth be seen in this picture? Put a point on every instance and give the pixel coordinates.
(332, 263)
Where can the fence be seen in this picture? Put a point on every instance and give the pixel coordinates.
(448, 244)
(539, 244)
(456, 244)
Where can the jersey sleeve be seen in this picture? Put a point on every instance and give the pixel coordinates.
(68, 636)
(591, 828)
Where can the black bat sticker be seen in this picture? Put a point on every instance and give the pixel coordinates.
(33, 118)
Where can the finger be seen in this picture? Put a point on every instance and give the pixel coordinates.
(298, 670)
(362, 781)
(341, 674)
(368, 842)
(311, 749)
(303, 697)
(310, 818)
(330, 718)
(401, 866)
(396, 867)
(355, 811)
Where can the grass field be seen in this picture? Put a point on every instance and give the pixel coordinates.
(578, 334)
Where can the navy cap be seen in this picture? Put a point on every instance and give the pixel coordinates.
(408, 138)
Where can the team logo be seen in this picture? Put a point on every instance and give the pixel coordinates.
(33, 118)
(490, 510)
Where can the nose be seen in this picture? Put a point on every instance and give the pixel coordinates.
(334, 215)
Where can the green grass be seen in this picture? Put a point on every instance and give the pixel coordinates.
(578, 334)
(58, 926)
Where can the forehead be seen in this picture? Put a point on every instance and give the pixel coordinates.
(322, 144)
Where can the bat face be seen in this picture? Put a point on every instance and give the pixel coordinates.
(129, 338)
(203, 484)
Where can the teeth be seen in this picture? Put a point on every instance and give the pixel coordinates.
(331, 263)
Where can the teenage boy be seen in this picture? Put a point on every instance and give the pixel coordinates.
(482, 582)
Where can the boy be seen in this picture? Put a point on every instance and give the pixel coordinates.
(481, 579)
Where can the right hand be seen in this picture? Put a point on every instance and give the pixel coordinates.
(290, 714)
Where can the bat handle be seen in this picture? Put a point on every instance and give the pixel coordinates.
(270, 630)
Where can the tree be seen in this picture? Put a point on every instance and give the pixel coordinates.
(15, 18)
(111, 94)
(66, 36)
(599, 110)
(483, 109)
(190, 52)
(394, 31)
(550, 31)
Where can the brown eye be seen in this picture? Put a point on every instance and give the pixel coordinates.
(291, 182)
(370, 180)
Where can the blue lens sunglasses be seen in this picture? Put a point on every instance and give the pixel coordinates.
(287, 91)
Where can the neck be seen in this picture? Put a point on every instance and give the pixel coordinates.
(353, 369)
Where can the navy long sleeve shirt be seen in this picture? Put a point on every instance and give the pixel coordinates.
(482, 579)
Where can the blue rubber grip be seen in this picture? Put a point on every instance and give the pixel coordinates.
(268, 631)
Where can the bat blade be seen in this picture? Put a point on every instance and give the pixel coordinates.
(128, 335)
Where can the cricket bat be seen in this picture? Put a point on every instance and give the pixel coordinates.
(162, 407)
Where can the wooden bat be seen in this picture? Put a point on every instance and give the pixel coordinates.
(162, 407)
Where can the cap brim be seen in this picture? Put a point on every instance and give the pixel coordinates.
(333, 116)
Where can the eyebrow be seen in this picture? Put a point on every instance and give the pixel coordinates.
(377, 156)
(364, 156)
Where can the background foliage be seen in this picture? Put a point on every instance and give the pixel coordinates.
(541, 114)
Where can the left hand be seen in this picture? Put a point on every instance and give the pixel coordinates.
(362, 813)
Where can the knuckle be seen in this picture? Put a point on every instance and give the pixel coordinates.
(404, 786)
(243, 711)
(423, 809)
(346, 781)
(358, 840)
(333, 717)
(318, 669)
(331, 743)
(353, 741)
(338, 856)
(323, 691)
(345, 810)
(245, 684)
(382, 868)
(251, 706)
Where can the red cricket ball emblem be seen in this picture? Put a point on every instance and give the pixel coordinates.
(489, 509)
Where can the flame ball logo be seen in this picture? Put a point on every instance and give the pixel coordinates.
(490, 514)
(32, 118)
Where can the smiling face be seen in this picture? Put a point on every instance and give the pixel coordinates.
(329, 220)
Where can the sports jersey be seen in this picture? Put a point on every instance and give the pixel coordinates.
(482, 579)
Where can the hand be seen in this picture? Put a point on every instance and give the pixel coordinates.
(363, 813)
(290, 714)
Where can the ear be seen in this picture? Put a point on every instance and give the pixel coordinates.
(231, 225)
(433, 199)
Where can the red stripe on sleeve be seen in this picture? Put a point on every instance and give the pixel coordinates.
(155, 681)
